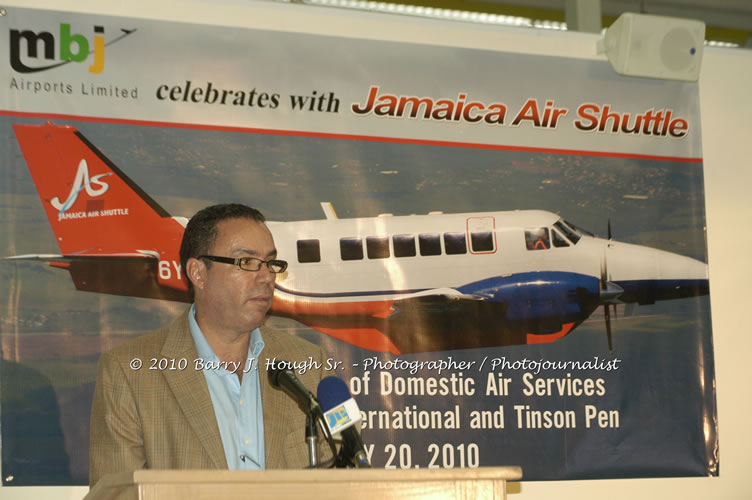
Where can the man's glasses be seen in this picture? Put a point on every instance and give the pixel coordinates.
(275, 266)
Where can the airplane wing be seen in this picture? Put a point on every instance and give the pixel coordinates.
(384, 325)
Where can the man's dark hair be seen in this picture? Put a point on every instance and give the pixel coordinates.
(201, 231)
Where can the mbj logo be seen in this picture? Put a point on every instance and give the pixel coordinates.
(74, 47)
(80, 183)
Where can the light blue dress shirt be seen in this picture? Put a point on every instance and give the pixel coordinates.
(237, 406)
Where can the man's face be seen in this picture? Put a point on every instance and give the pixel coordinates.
(231, 298)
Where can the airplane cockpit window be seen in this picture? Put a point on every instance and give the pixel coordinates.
(482, 242)
(558, 239)
(404, 245)
(537, 239)
(455, 243)
(309, 251)
(430, 244)
(377, 247)
(572, 234)
(351, 248)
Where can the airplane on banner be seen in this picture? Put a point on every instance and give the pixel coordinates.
(398, 284)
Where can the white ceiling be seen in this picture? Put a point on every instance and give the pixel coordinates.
(726, 21)
(732, 14)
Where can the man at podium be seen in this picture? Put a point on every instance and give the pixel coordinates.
(189, 396)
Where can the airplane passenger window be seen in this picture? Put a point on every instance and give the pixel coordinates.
(454, 243)
(309, 251)
(482, 242)
(404, 245)
(351, 248)
(377, 247)
(429, 244)
(559, 240)
(537, 239)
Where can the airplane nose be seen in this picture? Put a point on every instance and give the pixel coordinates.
(674, 266)
(680, 276)
(647, 274)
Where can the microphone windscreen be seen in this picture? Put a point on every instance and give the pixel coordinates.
(331, 392)
(273, 373)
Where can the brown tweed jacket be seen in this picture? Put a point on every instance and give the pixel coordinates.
(164, 419)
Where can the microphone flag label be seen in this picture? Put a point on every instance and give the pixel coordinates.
(342, 416)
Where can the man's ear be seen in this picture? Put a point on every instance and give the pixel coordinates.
(195, 270)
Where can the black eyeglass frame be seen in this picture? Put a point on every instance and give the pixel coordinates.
(270, 264)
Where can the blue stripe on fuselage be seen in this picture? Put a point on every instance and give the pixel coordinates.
(367, 293)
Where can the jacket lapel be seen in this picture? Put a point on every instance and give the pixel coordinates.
(191, 391)
(271, 403)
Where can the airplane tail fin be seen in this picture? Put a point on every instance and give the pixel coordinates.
(92, 206)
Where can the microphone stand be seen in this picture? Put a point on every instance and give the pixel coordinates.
(314, 419)
(289, 383)
(312, 438)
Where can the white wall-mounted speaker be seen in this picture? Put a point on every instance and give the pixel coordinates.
(655, 46)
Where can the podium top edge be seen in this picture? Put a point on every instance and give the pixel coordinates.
(508, 473)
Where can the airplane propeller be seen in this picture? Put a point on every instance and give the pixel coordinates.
(609, 292)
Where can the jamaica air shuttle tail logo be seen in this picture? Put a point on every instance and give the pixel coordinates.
(94, 186)
(43, 47)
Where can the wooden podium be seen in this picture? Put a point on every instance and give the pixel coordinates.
(481, 483)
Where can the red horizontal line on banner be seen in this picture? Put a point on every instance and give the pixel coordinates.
(351, 137)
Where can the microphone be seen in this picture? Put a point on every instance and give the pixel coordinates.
(285, 379)
(342, 416)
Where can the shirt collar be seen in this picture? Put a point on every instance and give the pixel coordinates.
(204, 350)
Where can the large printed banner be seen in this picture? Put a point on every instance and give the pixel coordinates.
(502, 255)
